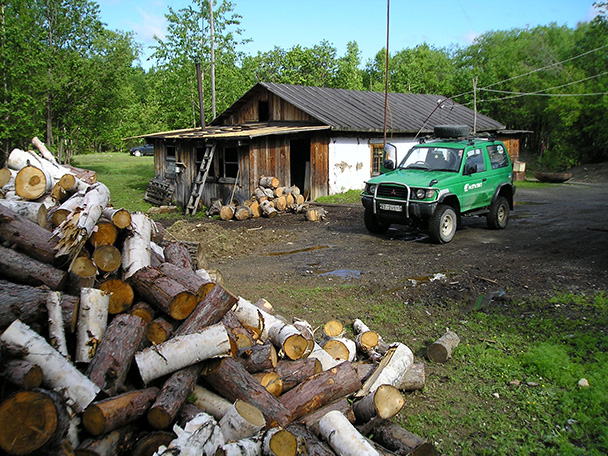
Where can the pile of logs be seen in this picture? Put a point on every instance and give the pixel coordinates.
(268, 200)
(151, 356)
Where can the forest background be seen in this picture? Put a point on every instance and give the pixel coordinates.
(68, 79)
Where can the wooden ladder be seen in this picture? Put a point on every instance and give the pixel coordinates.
(199, 181)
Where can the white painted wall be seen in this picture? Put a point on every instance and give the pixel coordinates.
(350, 161)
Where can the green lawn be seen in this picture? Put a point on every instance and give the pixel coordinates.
(126, 176)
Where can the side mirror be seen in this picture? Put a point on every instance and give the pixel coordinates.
(470, 168)
(389, 164)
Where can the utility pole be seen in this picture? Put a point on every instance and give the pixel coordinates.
(388, 4)
(212, 58)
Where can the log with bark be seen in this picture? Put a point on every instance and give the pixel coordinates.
(401, 441)
(321, 389)
(343, 437)
(391, 369)
(172, 396)
(109, 367)
(109, 414)
(136, 250)
(21, 268)
(241, 420)
(258, 358)
(22, 374)
(162, 291)
(441, 350)
(121, 295)
(232, 381)
(92, 322)
(27, 236)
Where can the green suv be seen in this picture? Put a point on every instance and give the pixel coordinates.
(439, 181)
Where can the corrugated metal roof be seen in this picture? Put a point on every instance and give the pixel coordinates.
(235, 131)
(353, 110)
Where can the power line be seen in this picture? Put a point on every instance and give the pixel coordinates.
(541, 94)
(535, 70)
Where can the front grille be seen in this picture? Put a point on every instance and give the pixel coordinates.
(390, 191)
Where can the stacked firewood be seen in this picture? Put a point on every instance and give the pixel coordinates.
(267, 200)
(153, 356)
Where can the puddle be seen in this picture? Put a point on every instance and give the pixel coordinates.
(342, 273)
(291, 252)
(395, 234)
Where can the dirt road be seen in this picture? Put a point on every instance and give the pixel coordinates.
(556, 241)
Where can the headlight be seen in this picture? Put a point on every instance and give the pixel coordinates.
(421, 193)
(371, 188)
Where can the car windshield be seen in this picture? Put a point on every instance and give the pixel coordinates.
(433, 159)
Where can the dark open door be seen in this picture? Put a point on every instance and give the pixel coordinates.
(299, 157)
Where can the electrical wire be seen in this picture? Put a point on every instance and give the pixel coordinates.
(535, 70)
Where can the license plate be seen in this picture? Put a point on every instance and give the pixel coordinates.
(391, 207)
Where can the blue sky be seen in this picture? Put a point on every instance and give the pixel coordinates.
(286, 23)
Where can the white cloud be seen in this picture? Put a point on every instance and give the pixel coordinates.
(469, 37)
(150, 25)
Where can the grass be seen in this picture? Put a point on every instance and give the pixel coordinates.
(351, 196)
(511, 387)
(126, 176)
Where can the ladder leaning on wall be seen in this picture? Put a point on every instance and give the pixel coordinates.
(199, 181)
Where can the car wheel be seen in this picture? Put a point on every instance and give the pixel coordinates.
(443, 224)
(137, 153)
(372, 224)
(498, 217)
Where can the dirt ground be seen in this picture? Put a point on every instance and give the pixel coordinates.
(556, 242)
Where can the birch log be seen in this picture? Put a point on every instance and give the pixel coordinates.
(391, 369)
(92, 322)
(241, 421)
(343, 437)
(288, 339)
(33, 182)
(121, 218)
(76, 230)
(279, 442)
(55, 319)
(182, 351)
(254, 318)
(136, 250)
(59, 373)
(31, 210)
(385, 403)
(200, 436)
(210, 402)
(327, 361)
(243, 447)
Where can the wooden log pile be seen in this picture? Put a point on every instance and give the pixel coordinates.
(268, 200)
(150, 357)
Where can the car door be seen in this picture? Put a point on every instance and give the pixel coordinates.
(476, 189)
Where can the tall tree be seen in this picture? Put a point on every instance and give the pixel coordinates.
(187, 42)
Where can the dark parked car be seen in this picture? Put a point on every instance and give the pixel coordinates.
(146, 149)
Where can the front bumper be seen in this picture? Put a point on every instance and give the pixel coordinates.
(397, 210)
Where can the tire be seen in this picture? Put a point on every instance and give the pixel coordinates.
(498, 217)
(137, 153)
(443, 224)
(373, 225)
(451, 131)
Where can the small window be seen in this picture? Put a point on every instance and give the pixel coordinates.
(170, 161)
(229, 162)
(475, 157)
(377, 153)
(263, 111)
(498, 156)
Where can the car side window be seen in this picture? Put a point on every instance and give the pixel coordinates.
(498, 156)
(475, 157)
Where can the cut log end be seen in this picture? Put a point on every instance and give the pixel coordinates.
(28, 420)
(182, 305)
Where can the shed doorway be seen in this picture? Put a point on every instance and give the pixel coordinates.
(299, 158)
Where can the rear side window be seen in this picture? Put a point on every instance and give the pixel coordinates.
(498, 156)
(475, 157)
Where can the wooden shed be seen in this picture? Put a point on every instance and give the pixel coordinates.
(324, 141)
